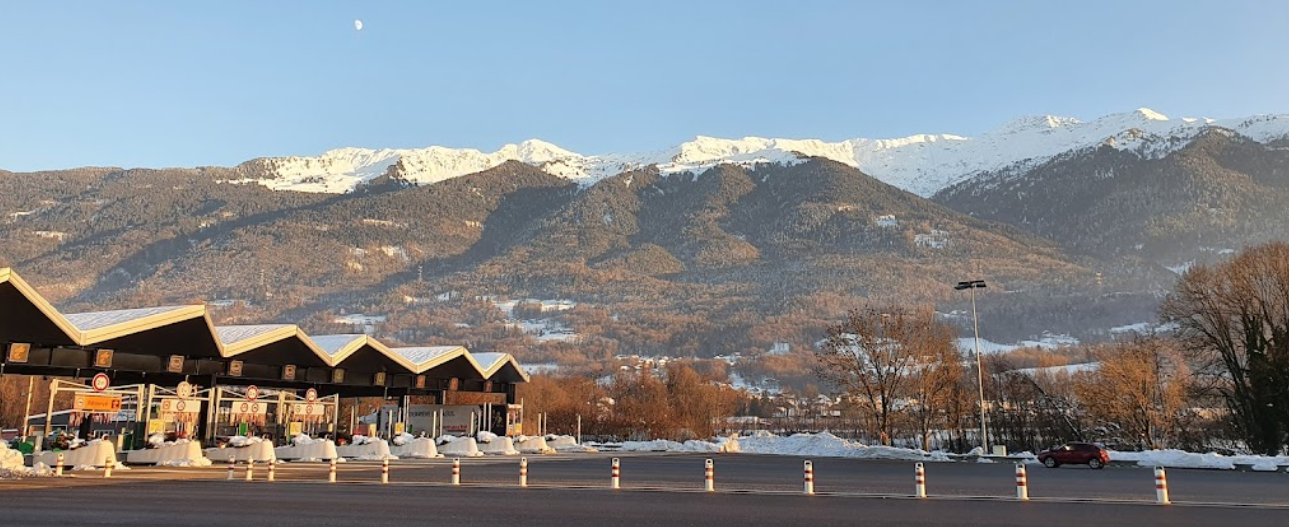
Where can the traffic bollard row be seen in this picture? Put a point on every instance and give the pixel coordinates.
(232, 464)
(456, 471)
(384, 470)
(709, 475)
(250, 469)
(107, 469)
(58, 469)
(331, 472)
(272, 464)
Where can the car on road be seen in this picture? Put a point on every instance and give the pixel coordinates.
(1074, 454)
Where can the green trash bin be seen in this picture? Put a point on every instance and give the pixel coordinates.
(26, 448)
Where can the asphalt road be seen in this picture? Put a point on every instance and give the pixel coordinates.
(656, 490)
(286, 504)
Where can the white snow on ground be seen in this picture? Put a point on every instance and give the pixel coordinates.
(1183, 459)
(12, 466)
(822, 444)
(967, 345)
(1068, 369)
(403, 439)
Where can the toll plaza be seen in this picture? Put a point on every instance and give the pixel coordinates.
(170, 370)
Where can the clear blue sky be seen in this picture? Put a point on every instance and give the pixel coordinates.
(133, 83)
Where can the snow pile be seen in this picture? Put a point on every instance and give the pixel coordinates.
(403, 439)
(533, 445)
(12, 465)
(461, 447)
(243, 449)
(368, 448)
(178, 453)
(1183, 459)
(306, 448)
(94, 453)
(567, 444)
(485, 437)
(812, 445)
(420, 448)
(498, 446)
(157, 440)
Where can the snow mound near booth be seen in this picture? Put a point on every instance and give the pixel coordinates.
(243, 449)
(490, 443)
(12, 465)
(533, 445)
(182, 453)
(406, 446)
(368, 448)
(94, 453)
(567, 444)
(305, 448)
(459, 447)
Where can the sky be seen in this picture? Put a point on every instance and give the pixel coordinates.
(161, 84)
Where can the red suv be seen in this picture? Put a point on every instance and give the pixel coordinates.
(1075, 454)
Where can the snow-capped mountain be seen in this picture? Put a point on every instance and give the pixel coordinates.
(922, 164)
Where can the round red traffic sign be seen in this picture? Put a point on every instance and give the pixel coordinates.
(311, 395)
(100, 382)
(184, 390)
(179, 406)
(252, 392)
(246, 407)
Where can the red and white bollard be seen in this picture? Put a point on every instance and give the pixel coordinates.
(615, 481)
(58, 469)
(384, 470)
(272, 464)
(107, 469)
(523, 472)
(1161, 486)
(456, 471)
(232, 463)
(920, 480)
(331, 472)
(1022, 483)
(810, 479)
(250, 469)
(710, 475)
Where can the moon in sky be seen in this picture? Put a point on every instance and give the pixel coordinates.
(358, 24)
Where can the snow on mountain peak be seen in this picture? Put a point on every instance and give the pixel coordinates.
(922, 164)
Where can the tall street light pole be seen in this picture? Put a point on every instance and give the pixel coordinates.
(980, 372)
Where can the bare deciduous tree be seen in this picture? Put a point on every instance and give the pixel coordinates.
(1235, 318)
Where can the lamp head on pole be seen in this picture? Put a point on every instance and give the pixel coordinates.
(971, 284)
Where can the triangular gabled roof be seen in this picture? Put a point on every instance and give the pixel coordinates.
(424, 358)
(241, 339)
(493, 363)
(67, 333)
(98, 326)
(341, 347)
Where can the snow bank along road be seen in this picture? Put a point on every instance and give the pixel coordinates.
(290, 504)
(736, 473)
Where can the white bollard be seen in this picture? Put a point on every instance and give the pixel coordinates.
(272, 464)
(232, 462)
(331, 472)
(107, 469)
(384, 470)
(1161, 486)
(523, 472)
(250, 469)
(810, 479)
(456, 471)
(710, 475)
(58, 469)
(1022, 483)
(920, 480)
(615, 481)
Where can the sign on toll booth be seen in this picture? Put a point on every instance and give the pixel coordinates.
(97, 403)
